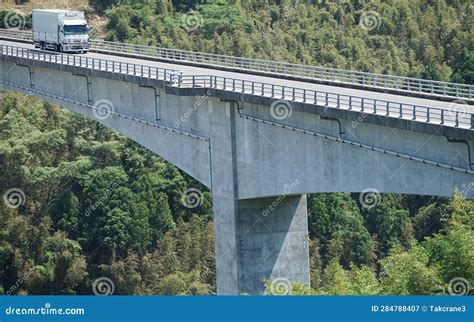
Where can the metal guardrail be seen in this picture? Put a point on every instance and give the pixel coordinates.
(93, 63)
(369, 80)
(16, 34)
(448, 117)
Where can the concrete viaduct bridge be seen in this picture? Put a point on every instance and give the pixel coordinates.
(261, 135)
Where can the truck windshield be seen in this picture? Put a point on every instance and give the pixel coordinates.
(75, 30)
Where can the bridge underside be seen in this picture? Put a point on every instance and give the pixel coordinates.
(258, 164)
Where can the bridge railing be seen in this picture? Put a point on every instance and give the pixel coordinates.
(332, 75)
(283, 68)
(16, 34)
(455, 115)
(88, 62)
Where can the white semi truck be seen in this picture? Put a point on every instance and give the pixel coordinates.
(60, 30)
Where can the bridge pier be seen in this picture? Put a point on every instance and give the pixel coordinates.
(258, 238)
(273, 242)
(264, 238)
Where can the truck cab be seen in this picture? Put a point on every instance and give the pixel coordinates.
(74, 36)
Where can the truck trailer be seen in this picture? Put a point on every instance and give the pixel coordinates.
(60, 30)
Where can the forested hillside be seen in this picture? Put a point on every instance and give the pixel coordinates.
(96, 204)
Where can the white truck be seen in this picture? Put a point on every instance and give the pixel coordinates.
(60, 30)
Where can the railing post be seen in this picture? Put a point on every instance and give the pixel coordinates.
(414, 112)
(427, 114)
(375, 106)
(472, 121)
(362, 104)
(442, 117)
(401, 110)
(457, 119)
(388, 108)
(350, 103)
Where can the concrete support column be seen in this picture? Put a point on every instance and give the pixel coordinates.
(255, 238)
(273, 241)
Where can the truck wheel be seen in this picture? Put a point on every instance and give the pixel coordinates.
(42, 46)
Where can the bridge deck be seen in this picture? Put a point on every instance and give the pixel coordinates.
(191, 70)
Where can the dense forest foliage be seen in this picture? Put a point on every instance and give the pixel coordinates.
(96, 204)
